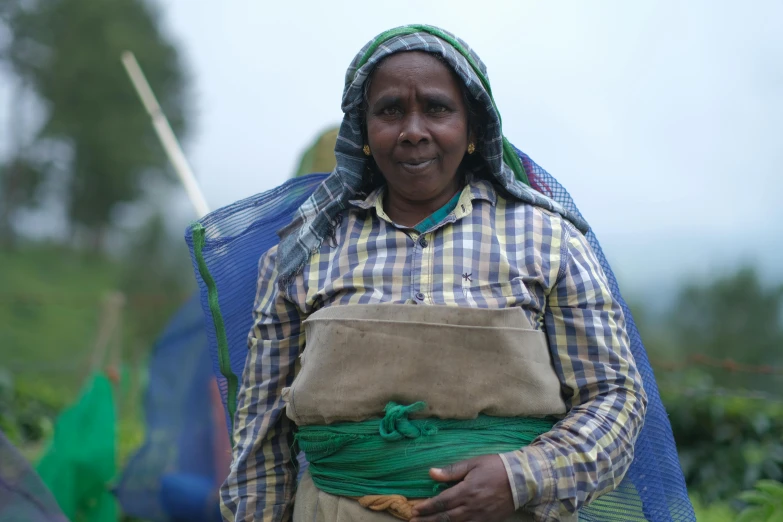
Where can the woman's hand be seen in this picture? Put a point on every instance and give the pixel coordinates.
(483, 493)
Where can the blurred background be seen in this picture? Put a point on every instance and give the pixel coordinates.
(663, 120)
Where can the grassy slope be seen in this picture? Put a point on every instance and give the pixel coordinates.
(50, 309)
(50, 301)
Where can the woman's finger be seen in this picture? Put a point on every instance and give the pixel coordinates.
(450, 499)
(453, 472)
(457, 514)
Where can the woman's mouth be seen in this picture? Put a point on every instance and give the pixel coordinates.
(417, 166)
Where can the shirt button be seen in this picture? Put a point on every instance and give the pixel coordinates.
(423, 242)
(419, 296)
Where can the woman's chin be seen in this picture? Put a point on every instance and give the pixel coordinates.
(425, 196)
(423, 187)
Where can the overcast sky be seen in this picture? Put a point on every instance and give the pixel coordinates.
(662, 118)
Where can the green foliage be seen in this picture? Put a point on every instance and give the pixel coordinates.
(735, 317)
(715, 512)
(764, 503)
(27, 410)
(49, 312)
(68, 53)
(154, 264)
(726, 444)
(130, 436)
(727, 425)
(20, 179)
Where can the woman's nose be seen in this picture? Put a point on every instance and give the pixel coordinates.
(414, 129)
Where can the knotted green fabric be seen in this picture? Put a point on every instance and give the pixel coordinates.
(393, 455)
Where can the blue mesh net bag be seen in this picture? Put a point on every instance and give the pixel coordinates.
(176, 473)
(227, 244)
(23, 495)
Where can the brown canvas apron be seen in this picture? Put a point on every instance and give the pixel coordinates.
(461, 361)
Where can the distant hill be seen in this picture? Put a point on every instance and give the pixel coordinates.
(651, 270)
(50, 307)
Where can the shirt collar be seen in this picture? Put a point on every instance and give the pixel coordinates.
(370, 201)
(478, 189)
(483, 189)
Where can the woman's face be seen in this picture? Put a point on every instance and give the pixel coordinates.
(417, 126)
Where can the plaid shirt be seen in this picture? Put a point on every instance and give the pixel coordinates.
(490, 252)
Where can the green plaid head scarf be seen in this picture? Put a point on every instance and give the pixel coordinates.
(320, 214)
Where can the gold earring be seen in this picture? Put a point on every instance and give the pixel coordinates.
(471, 148)
(366, 150)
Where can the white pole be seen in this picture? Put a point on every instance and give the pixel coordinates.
(165, 134)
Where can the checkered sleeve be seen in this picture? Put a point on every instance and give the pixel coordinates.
(588, 452)
(261, 483)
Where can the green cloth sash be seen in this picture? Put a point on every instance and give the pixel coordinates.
(393, 455)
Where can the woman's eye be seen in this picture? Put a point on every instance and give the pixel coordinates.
(390, 111)
(438, 108)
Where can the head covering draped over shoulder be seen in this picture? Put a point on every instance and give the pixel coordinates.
(317, 217)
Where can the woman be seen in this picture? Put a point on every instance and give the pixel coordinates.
(429, 205)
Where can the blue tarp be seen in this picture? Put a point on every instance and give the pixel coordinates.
(174, 475)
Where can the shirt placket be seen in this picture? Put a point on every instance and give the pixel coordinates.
(423, 260)
(422, 256)
(418, 291)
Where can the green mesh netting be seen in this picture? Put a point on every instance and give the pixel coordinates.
(79, 463)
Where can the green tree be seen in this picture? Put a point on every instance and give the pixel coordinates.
(21, 174)
(68, 53)
(19, 183)
(156, 276)
(737, 317)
